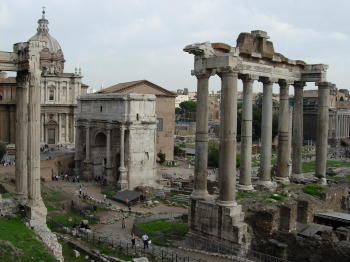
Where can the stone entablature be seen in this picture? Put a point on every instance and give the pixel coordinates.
(116, 138)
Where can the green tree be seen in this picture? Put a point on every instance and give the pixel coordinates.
(161, 157)
(3, 149)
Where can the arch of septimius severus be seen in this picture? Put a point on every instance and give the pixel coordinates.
(253, 59)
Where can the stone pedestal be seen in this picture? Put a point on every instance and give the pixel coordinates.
(122, 183)
(36, 213)
(219, 223)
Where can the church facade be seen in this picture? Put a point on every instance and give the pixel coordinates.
(59, 93)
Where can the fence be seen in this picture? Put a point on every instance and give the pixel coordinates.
(235, 251)
(154, 253)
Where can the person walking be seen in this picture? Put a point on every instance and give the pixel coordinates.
(133, 240)
(145, 239)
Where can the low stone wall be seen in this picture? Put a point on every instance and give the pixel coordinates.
(8, 206)
(48, 168)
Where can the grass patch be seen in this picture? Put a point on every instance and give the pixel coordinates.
(69, 219)
(110, 194)
(13, 230)
(277, 196)
(7, 195)
(51, 208)
(314, 190)
(310, 166)
(241, 195)
(68, 254)
(162, 230)
(165, 226)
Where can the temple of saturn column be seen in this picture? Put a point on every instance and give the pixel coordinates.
(253, 59)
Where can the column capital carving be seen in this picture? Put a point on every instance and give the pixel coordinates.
(22, 79)
(203, 74)
(227, 70)
(268, 80)
(248, 77)
(283, 83)
(325, 85)
(299, 84)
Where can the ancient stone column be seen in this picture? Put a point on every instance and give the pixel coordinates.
(245, 180)
(322, 131)
(283, 134)
(228, 124)
(77, 155)
(67, 128)
(21, 134)
(297, 139)
(108, 153)
(266, 133)
(87, 143)
(201, 162)
(122, 182)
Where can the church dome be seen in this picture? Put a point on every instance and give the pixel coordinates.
(43, 35)
(51, 56)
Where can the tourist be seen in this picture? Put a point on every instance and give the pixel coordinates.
(123, 222)
(145, 241)
(80, 190)
(133, 239)
(104, 198)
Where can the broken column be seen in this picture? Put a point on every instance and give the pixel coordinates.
(35, 209)
(283, 134)
(297, 132)
(322, 131)
(266, 133)
(245, 180)
(201, 162)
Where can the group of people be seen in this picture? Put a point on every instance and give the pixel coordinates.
(145, 239)
(66, 177)
(8, 163)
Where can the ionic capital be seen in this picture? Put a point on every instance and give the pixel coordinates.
(299, 84)
(203, 74)
(325, 85)
(268, 80)
(248, 77)
(284, 83)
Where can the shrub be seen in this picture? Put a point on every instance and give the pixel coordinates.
(161, 157)
(314, 190)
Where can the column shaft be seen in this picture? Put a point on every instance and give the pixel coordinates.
(201, 161)
(108, 148)
(87, 144)
(21, 172)
(67, 128)
(228, 124)
(34, 140)
(283, 135)
(245, 181)
(123, 182)
(322, 131)
(266, 134)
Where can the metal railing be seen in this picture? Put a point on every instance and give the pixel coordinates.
(154, 253)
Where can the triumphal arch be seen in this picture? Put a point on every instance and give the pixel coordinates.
(252, 59)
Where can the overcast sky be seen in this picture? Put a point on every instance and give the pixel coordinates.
(117, 41)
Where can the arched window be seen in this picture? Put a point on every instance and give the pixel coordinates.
(0, 97)
(100, 139)
(341, 98)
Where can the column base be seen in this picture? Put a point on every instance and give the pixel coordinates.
(200, 195)
(322, 181)
(267, 184)
(283, 180)
(122, 183)
(226, 203)
(36, 213)
(22, 198)
(241, 187)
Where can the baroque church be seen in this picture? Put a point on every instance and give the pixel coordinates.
(59, 93)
